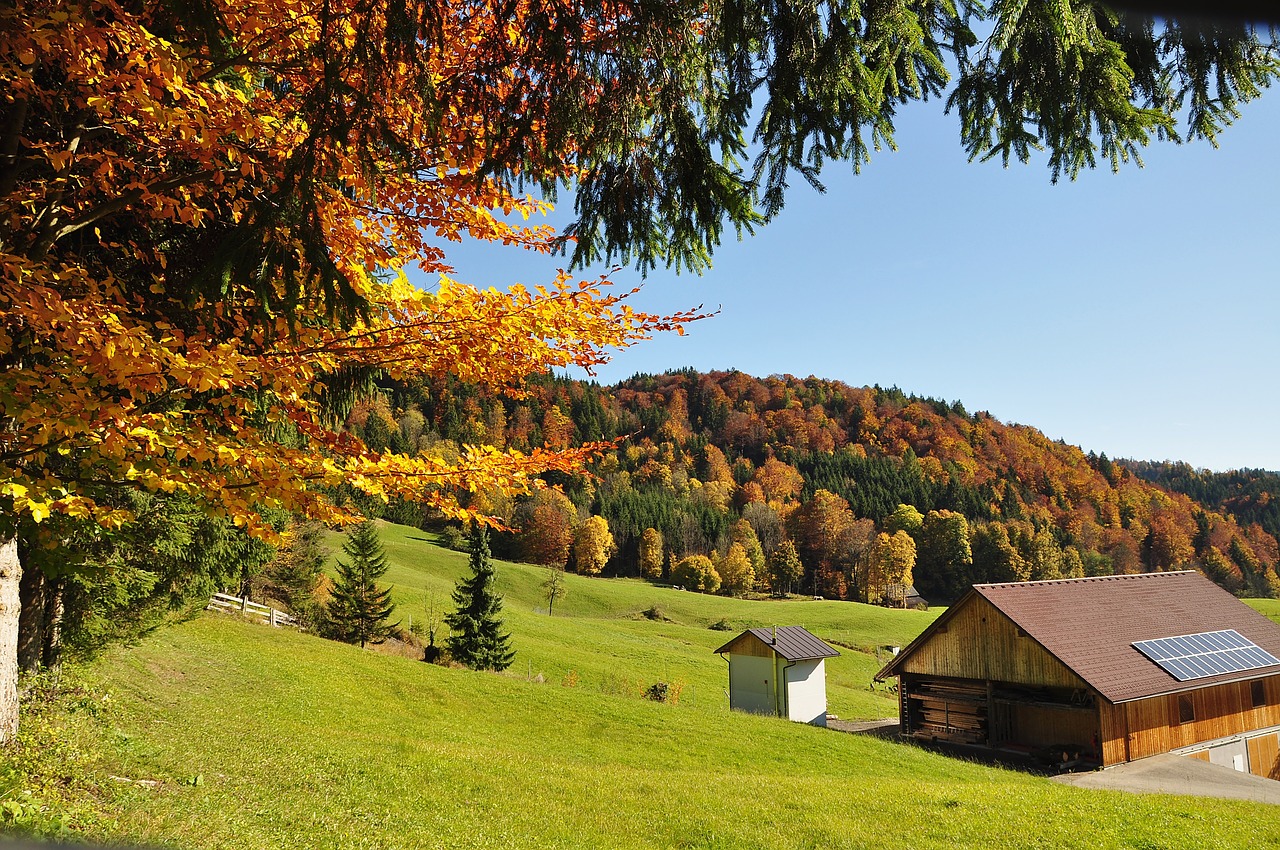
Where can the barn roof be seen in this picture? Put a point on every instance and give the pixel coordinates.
(794, 643)
(1091, 624)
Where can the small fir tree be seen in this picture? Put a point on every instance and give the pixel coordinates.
(358, 609)
(478, 640)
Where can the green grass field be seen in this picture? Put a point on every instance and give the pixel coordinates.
(599, 633)
(270, 738)
(1269, 607)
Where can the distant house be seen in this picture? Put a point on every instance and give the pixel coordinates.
(779, 671)
(1099, 671)
(904, 596)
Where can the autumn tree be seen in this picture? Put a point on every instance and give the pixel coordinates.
(476, 638)
(785, 567)
(905, 518)
(651, 556)
(736, 573)
(894, 558)
(546, 522)
(592, 546)
(359, 610)
(944, 556)
(995, 558)
(820, 529)
(696, 572)
(1044, 557)
(207, 209)
(744, 535)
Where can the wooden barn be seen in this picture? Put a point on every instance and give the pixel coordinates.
(1098, 671)
(779, 671)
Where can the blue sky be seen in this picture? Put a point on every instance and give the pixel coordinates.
(1135, 313)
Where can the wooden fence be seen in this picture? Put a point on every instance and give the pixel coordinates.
(262, 613)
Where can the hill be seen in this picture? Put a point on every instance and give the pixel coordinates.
(257, 737)
(699, 451)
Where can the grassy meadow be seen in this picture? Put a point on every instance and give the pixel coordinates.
(251, 737)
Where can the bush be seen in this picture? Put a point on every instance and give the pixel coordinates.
(721, 625)
(653, 612)
(453, 538)
(668, 692)
(656, 692)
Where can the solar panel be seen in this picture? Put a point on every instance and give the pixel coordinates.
(1206, 654)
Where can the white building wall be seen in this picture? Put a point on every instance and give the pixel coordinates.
(751, 681)
(803, 698)
(806, 683)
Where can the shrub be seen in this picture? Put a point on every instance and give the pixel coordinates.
(453, 538)
(656, 692)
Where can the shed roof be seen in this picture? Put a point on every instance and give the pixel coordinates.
(1090, 625)
(794, 643)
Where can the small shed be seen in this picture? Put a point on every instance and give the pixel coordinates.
(779, 671)
(1098, 671)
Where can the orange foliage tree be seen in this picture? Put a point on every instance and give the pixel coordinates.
(207, 212)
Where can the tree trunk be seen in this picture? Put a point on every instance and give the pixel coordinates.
(31, 620)
(52, 648)
(10, 609)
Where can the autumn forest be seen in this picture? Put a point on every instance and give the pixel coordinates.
(727, 482)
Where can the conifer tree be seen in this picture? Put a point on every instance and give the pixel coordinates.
(478, 640)
(359, 610)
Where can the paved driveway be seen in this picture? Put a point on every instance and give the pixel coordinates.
(1170, 774)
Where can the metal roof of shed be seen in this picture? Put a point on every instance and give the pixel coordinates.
(794, 643)
(1091, 624)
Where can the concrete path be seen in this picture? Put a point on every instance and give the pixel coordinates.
(886, 728)
(1170, 774)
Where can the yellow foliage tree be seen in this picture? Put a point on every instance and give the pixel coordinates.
(736, 574)
(651, 558)
(592, 546)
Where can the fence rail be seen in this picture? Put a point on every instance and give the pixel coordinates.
(235, 605)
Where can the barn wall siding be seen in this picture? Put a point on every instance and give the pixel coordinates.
(1264, 756)
(1154, 725)
(981, 643)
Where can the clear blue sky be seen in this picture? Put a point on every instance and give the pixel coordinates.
(1135, 314)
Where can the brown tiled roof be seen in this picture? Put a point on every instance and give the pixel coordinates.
(1090, 624)
(795, 643)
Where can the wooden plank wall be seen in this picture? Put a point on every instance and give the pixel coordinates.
(748, 644)
(981, 643)
(1264, 756)
(1039, 726)
(1154, 726)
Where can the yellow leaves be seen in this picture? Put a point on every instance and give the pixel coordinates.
(128, 398)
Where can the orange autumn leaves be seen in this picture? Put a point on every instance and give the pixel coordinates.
(201, 221)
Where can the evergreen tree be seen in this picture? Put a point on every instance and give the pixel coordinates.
(478, 640)
(359, 610)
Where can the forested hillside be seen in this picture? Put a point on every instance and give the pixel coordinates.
(816, 486)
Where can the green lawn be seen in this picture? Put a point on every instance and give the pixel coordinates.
(1269, 607)
(299, 742)
(599, 633)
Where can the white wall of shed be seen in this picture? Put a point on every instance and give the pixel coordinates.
(806, 684)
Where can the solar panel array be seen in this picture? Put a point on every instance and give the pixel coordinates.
(1206, 654)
